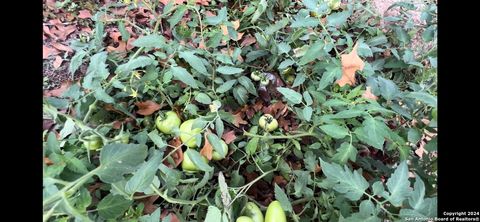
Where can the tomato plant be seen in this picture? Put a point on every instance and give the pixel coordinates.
(311, 110)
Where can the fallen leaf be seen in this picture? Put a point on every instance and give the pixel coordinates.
(83, 14)
(62, 47)
(49, 51)
(177, 156)
(280, 181)
(238, 119)
(368, 94)
(207, 150)
(92, 188)
(351, 62)
(46, 30)
(149, 207)
(201, 45)
(61, 31)
(51, 4)
(58, 92)
(147, 108)
(58, 62)
(173, 217)
(47, 124)
(119, 11)
(202, 2)
(209, 14)
(229, 136)
(248, 40)
(47, 161)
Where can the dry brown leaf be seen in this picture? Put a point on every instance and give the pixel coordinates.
(280, 181)
(202, 2)
(47, 161)
(83, 14)
(238, 119)
(61, 31)
(248, 40)
(368, 94)
(62, 47)
(58, 62)
(177, 156)
(49, 51)
(351, 62)
(149, 207)
(201, 45)
(173, 217)
(147, 108)
(207, 150)
(229, 136)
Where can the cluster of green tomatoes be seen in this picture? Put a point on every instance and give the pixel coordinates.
(251, 213)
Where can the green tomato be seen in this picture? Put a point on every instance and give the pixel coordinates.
(264, 81)
(216, 155)
(244, 219)
(167, 123)
(334, 4)
(256, 75)
(187, 163)
(251, 210)
(147, 121)
(275, 213)
(93, 142)
(268, 123)
(187, 134)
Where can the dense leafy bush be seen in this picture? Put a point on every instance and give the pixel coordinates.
(354, 102)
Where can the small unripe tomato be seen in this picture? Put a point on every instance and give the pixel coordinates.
(187, 134)
(275, 212)
(264, 81)
(187, 163)
(244, 219)
(251, 210)
(93, 142)
(256, 75)
(167, 123)
(334, 4)
(216, 155)
(123, 138)
(268, 123)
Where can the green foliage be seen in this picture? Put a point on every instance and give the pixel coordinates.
(339, 154)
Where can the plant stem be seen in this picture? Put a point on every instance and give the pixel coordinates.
(176, 201)
(72, 186)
